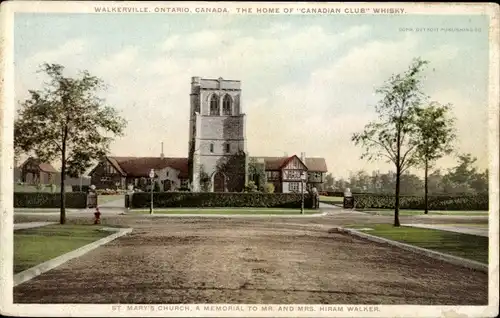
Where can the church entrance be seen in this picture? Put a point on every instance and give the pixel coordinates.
(219, 182)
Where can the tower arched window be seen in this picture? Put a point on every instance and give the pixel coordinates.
(226, 105)
(214, 105)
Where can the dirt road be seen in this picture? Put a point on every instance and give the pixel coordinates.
(251, 261)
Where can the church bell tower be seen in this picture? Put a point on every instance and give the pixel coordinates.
(218, 157)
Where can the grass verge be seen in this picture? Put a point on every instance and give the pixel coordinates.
(103, 198)
(241, 211)
(462, 245)
(37, 245)
(331, 200)
(421, 212)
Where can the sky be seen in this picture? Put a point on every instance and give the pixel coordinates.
(308, 81)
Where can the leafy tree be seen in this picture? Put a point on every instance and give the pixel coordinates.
(479, 182)
(411, 184)
(257, 173)
(269, 188)
(251, 187)
(67, 121)
(391, 136)
(435, 182)
(435, 134)
(329, 181)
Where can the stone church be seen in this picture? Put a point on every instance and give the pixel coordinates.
(217, 160)
(218, 155)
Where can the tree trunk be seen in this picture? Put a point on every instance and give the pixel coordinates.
(426, 187)
(398, 176)
(62, 217)
(396, 208)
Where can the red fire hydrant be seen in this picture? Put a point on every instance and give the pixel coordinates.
(97, 215)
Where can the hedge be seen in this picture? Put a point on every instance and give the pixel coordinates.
(222, 199)
(436, 202)
(76, 188)
(74, 200)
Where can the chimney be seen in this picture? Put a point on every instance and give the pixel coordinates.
(162, 155)
(303, 157)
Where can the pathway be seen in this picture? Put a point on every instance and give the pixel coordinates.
(331, 209)
(464, 229)
(29, 225)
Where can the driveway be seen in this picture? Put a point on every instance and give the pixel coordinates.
(195, 260)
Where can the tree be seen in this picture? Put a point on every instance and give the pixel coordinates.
(435, 134)
(269, 188)
(329, 181)
(391, 136)
(257, 173)
(67, 121)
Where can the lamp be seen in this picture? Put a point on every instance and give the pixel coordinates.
(151, 176)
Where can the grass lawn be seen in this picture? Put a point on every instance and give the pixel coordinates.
(462, 245)
(37, 245)
(421, 212)
(331, 200)
(110, 197)
(270, 211)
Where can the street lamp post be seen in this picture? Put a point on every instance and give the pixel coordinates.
(151, 176)
(302, 179)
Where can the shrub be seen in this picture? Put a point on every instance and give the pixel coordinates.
(436, 202)
(335, 193)
(76, 188)
(75, 200)
(269, 188)
(220, 199)
(251, 187)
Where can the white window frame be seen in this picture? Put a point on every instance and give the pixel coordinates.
(291, 186)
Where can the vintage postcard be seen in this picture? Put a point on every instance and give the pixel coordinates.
(249, 159)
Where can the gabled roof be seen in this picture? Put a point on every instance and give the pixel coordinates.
(277, 163)
(140, 166)
(43, 166)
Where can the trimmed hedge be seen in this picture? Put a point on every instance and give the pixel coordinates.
(76, 188)
(436, 202)
(221, 200)
(74, 200)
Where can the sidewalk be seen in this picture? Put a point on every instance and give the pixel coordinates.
(29, 225)
(464, 229)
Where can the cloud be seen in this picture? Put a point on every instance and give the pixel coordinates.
(316, 111)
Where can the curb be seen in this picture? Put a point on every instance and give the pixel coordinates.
(230, 215)
(455, 260)
(39, 269)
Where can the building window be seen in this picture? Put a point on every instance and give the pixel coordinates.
(228, 148)
(226, 105)
(292, 174)
(294, 187)
(211, 148)
(184, 183)
(214, 105)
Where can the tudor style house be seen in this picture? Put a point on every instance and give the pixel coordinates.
(285, 172)
(217, 153)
